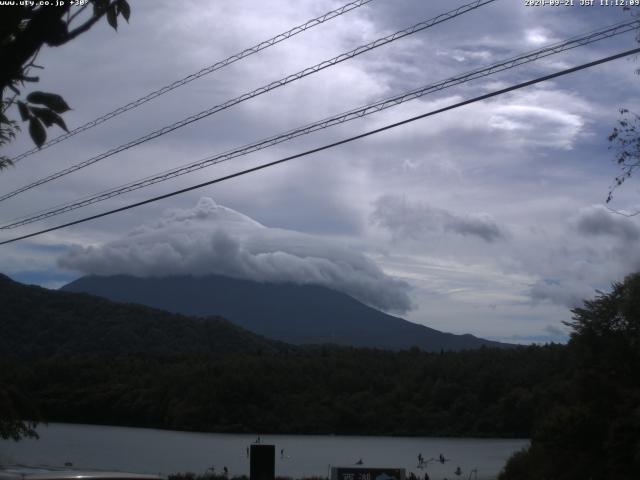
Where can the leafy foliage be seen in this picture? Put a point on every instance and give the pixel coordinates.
(8, 130)
(24, 30)
(625, 141)
(593, 431)
(15, 407)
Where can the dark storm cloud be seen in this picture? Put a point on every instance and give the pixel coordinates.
(600, 221)
(415, 220)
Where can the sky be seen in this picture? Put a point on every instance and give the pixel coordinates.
(488, 219)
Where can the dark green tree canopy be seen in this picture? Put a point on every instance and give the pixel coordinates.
(593, 431)
(15, 407)
(611, 315)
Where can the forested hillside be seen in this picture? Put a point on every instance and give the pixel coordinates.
(41, 323)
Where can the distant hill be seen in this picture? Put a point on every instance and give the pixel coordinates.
(298, 314)
(40, 323)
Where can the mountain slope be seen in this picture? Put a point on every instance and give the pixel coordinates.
(299, 314)
(40, 323)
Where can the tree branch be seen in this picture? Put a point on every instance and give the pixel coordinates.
(620, 212)
(89, 23)
(80, 10)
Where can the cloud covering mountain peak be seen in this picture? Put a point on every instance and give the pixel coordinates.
(213, 239)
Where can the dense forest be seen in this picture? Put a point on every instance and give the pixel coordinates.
(593, 427)
(322, 390)
(579, 403)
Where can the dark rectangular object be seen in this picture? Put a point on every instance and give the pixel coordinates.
(262, 462)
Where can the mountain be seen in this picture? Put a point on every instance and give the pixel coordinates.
(40, 323)
(298, 314)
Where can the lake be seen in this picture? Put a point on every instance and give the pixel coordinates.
(163, 451)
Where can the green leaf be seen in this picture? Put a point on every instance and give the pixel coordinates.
(37, 132)
(112, 17)
(24, 111)
(124, 9)
(51, 100)
(49, 117)
(99, 6)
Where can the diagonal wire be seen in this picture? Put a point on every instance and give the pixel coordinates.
(353, 114)
(332, 145)
(264, 89)
(201, 73)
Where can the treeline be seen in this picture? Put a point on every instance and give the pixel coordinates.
(592, 430)
(486, 392)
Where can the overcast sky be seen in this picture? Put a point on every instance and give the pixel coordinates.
(487, 219)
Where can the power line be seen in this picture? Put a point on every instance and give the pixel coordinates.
(332, 145)
(353, 114)
(201, 73)
(259, 91)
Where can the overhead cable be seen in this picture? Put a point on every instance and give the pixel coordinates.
(259, 91)
(331, 145)
(353, 114)
(194, 76)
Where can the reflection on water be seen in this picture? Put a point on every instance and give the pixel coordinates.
(162, 451)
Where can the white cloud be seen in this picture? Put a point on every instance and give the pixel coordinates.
(213, 239)
(538, 125)
(538, 36)
(529, 160)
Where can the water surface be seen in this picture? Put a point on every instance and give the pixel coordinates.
(163, 451)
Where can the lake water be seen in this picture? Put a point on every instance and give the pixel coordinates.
(162, 451)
